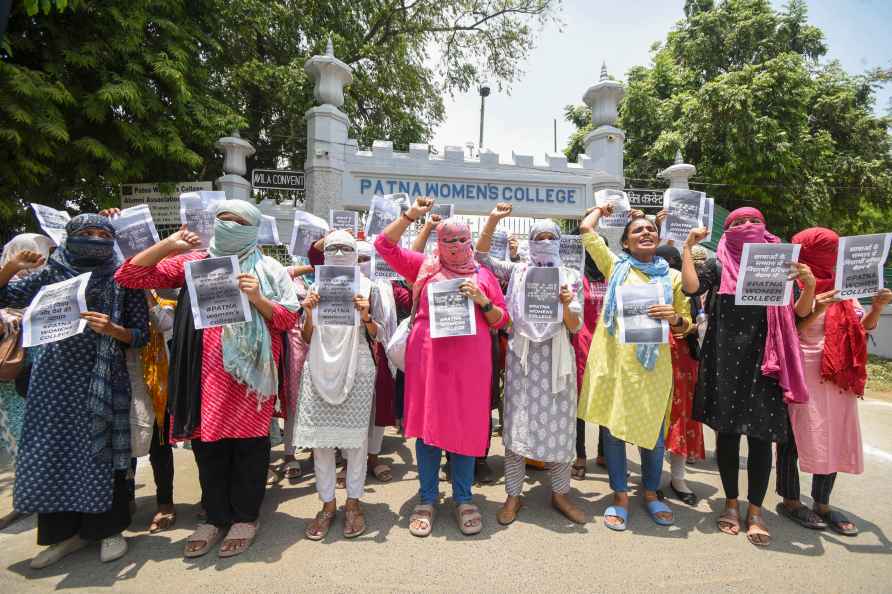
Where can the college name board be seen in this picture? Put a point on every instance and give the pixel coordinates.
(164, 206)
(277, 179)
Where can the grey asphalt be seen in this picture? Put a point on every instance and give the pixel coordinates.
(541, 552)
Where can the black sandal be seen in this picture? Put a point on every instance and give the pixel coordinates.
(835, 521)
(802, 516)
(686, 498)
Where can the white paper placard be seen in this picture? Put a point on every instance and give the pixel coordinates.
(307, 230)
(134, 231)
(573, 253)
(764, 271)
(621, 208)
(197, 213)
(635, 325)
(214, 293)
(52, 222)
(268, 234)
(54, 313)
(336, 286)
(347, 220)
(859, 265)
(451, 312)
(684, 212)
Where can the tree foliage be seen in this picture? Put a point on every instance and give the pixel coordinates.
(94, 93)
(740, 88)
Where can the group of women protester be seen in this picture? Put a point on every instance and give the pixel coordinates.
(788, 375)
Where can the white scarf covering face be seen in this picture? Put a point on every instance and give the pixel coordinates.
(334, 350)
(563, 361)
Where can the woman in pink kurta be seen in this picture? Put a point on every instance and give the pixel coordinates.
(226, 410)
(447, 389)
(826, 427)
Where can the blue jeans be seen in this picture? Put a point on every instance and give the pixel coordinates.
(651, 463)
(461, 471)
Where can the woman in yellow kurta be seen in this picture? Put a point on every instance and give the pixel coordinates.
(627, 387)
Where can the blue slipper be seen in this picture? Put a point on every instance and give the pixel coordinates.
(655, 507)
(616, 512)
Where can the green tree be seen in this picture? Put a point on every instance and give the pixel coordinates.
(740, 88)
(102, 92)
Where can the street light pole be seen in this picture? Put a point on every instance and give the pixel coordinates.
(484, 93)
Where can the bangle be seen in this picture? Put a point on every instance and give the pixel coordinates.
(486, 308)
(680, 322)
(408, 218)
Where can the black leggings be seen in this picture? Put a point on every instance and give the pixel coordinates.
(580, 440)
(788, 475)
(161, 458)
(758, 465)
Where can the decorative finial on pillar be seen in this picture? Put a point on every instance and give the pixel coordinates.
(604, 70)
(330, 76)
(678, 159)
(329, 48)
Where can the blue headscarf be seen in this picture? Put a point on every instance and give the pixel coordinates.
(247, 347)
(110, 429)
(658, 271)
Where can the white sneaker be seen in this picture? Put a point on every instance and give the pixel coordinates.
(55, 552)
(113, 547)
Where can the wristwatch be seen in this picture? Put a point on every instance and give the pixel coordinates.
(486, 308)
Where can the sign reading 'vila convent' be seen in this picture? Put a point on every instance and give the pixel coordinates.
(277, 179)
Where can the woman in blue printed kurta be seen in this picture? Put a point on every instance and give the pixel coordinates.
(74, 452)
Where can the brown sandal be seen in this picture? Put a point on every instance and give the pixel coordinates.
(206, 533)
(757, 532)
(241, 531)
(162, 521)
(381, 472)
(729, 522)
(321, 524)
(354, 522)
(506, 515)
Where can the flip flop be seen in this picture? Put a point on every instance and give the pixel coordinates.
(656, 507)
(835, 520)
(616, 511)
(802, 516)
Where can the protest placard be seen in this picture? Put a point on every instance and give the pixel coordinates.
(431, 243)
(268, 234)
(381, 270)
(54, 313)
(214, 293)
(446, 211)
(134, 231)
(498, 245)
(383, 210)
(620, 202)
(348, 220)
(451, 312)
(337, 286)
(573, 253)
(859, 265)
(684, 212)
(52, 221)
(541, 296)
(307, 230)
(708, 216)
(635, 325)
(197, 213)
(764, 271)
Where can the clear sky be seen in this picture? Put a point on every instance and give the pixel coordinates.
(567, 60)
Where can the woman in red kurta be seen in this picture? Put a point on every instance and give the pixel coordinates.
(227, 414)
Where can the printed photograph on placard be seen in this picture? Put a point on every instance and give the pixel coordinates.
(498, 246)
(708, 214)
(52, 222)
(383, 210)
(268, 234)
(197, 213)
(214, 293)
(684, 212)
(347, 220)
(572, 253)
(859, 265)
(541, 296)
(336, 286)
(451, 312)
(621, 208)
(764, 271)
(307, 230)
(635, 325)
(446, 211)
(134, 231)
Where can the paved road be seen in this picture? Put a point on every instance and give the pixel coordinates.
(541, 552)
